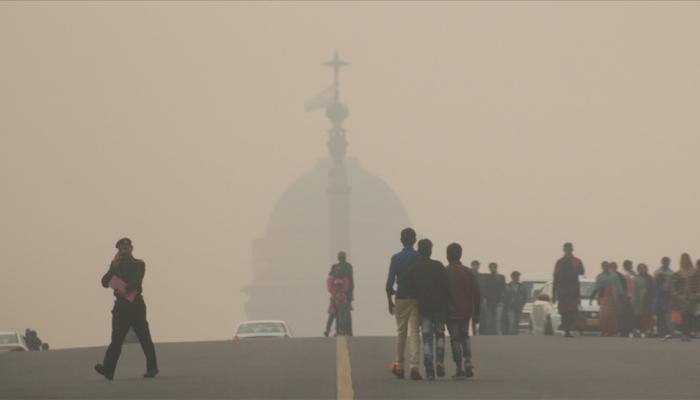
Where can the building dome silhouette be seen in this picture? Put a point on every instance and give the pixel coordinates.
(292, 259)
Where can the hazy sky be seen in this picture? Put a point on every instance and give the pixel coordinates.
(510, 127)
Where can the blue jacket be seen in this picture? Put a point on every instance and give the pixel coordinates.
(401, 263)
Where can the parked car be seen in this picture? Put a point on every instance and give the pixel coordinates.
(12, 341)
(268, 329)
(545, 318)
(534, 285)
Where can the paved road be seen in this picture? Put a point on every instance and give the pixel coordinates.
(506, 367)
(544, 367)
(263, 369)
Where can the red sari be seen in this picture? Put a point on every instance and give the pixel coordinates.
(608, 312)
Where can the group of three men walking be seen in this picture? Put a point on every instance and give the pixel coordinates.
(426, 296)
(502, 303)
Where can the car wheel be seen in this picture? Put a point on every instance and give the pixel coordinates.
(548, 329)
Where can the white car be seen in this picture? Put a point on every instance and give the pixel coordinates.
(534, 286)
(264, 329)
(545, 318)
(12, 341)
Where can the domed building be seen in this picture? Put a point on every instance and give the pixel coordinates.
(336, 206)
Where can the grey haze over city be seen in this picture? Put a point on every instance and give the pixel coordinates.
(503, 126)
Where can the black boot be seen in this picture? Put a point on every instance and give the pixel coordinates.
(101, 370)
(151, 374)
(460, 372)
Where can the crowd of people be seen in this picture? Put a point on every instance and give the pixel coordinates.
(427, 297)
(637, 303)
(502, 302)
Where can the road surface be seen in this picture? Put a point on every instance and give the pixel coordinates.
(323, 368)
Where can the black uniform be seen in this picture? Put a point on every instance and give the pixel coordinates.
(127, 315)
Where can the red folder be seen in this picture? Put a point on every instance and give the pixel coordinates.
(119, 286)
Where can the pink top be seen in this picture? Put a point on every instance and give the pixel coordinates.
(119, 287)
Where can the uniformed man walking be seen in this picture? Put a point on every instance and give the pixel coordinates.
(129, 310)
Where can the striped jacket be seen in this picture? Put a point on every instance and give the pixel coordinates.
(685, 286)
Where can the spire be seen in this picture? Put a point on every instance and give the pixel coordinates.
(336, 112)
(336, 63)
(338, 185)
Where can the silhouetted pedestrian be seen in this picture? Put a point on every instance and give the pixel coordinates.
(494, 286)
(127, 314)
(610, 296)
(567, 290)
(624, 305)
(345, 270)
(340, 286)
(642, 301)
(514, 299)
(406, 307)
(627, 316)
(430, 281)
(331, 307)
(663, 304)
(685, 289)
(342, 269)
(481, 279)
(463, 304)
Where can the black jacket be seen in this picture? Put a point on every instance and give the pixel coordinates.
(430, 282)
(131, 271)
(494, 286)
(515, 297)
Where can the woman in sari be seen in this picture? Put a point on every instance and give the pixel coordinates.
(341, 303)
(642, 301)
(330, 281)
(685, 290)
(609, 291)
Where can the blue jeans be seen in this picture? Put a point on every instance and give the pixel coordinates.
(513, 325)
(484, 321)
(459, 341)
(433, 328)
(494, 318)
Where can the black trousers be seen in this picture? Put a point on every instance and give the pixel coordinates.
(568, 320)
(342, 319)
(127, 315)
(329, 323)
(348, 323)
